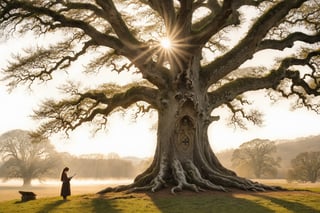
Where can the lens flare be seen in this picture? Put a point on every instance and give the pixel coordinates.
(165, 43)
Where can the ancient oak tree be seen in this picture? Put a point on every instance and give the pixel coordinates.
(190, 56)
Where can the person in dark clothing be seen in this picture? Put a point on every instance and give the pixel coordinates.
(65, 189)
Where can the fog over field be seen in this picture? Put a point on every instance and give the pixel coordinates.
(51, 187)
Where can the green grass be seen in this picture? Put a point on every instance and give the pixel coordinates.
(204, 202)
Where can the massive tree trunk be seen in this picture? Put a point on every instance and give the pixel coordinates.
(183, 158)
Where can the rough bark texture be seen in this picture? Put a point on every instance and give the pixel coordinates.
(183, 158)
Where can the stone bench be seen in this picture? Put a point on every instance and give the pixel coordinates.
(26, 196)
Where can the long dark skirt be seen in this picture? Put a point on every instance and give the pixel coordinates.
(65, 189)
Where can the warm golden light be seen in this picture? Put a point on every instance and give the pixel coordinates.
(165, 43)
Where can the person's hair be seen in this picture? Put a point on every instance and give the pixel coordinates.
(63, 171)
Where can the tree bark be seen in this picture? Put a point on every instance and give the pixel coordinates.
(183, 158)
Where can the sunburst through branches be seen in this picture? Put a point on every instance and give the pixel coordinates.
(172, 52)
(165, 43)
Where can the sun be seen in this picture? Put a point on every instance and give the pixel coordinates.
(165, 43)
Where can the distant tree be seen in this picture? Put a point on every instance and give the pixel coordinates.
(25, 157)
(102, 168)
(93, 156)
(305, 167)
(211, 63)
(257, 157)
(113, 155)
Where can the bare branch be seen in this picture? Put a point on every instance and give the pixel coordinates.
(247, 46)
(166, 10)
(39, 64)
(229, 91)
(117, 23)
(53, 18)
(288, 41)
(239, 115)
(215, 23)
(85, 107)
(307, 87)
(57, 20)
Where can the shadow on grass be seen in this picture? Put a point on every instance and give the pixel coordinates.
(200, 203)
(101, 204)
(289, 205)
(207, 203)
(50, 206)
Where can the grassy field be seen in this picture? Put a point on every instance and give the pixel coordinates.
(305, 199)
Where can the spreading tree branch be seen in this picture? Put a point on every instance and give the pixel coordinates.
(221, 16)
(288, 41)
(42, 62)
(239, 115)
(117, 23)
(69, 114)
(19, 12)
(212, 24)
(247, 47)
(166, 10)
(229, 91)
(59, 20)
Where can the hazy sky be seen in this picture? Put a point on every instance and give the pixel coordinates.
(129, 138)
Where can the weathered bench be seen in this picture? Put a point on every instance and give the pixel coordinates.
(26, 196)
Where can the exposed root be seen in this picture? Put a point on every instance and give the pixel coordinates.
(106, 190)
(142, 188)
(186, 175)
(234, 181)
(196, 177)
(180, 177)
(156, 184)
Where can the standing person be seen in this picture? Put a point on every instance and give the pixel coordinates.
(65, 189)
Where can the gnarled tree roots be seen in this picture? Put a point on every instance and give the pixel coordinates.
(187, 175)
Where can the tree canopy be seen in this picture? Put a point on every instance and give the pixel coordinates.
(124, 36)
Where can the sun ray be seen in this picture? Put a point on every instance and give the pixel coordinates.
(165, 43)
(170, 50)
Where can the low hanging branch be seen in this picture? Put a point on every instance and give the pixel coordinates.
(46, 59)
(84, 107)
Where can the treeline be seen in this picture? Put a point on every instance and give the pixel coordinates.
(286, 151)
(90, 167)
(29, 158)
(297, 159)
(99, 166)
